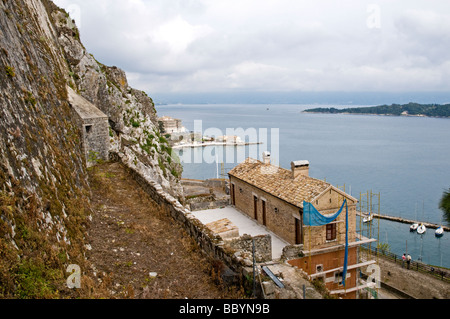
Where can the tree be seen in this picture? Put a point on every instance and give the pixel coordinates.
(444, 204)
(161, 127)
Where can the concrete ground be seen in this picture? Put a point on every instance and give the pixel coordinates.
(245, 224)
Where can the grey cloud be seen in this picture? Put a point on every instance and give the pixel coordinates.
(272, 45)
(425, 34)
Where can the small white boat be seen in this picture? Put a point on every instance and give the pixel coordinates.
(368, 218)
(421, 229)
(439, 232)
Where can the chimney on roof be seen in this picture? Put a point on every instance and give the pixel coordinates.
(299, 168)
(266, 157)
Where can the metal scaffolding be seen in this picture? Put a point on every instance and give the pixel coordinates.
(369, 206)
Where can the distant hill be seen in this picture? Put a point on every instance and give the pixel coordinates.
(410, 109)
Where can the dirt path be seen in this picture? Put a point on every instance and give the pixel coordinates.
(133, 240)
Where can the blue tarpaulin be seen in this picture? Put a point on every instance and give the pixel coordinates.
(312, 217)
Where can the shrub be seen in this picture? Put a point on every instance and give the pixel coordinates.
(10, 71)
(33, 281)
(30, 99)
(135, 123)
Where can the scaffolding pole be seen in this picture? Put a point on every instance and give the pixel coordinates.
(369, 203)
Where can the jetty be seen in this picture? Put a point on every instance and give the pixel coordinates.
(403, 220)
(205, 144)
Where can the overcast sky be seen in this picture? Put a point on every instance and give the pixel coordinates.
(270, 45)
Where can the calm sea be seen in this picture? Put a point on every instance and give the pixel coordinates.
(405, 159)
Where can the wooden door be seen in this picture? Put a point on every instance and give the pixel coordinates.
(298, 231)
(264, 212)
(233, 198)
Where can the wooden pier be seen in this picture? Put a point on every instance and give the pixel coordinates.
(404, 220)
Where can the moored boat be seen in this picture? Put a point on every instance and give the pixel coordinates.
(421, 229)
(439, 231)
(368, 218)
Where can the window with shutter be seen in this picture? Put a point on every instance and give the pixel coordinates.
(331, 231)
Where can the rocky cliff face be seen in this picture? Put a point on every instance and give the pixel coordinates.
(44, 191)
(132, 116)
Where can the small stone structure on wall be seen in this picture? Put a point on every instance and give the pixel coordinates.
(94, 127)
(263, 246)
(206, 194)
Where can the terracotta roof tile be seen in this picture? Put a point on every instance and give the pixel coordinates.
(279, 182)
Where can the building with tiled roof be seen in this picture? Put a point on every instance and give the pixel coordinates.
(275, 197)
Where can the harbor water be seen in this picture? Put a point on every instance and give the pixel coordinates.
(405, 159)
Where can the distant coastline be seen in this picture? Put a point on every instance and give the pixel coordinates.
(410, 109)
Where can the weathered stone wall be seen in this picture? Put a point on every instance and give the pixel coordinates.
(43, 181)
(263, 246)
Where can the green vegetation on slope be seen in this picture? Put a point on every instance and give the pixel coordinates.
(444, 205)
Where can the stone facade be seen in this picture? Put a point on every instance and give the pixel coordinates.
(94, 127)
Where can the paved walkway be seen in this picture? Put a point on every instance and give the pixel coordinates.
(413, 283)
(245, 224)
